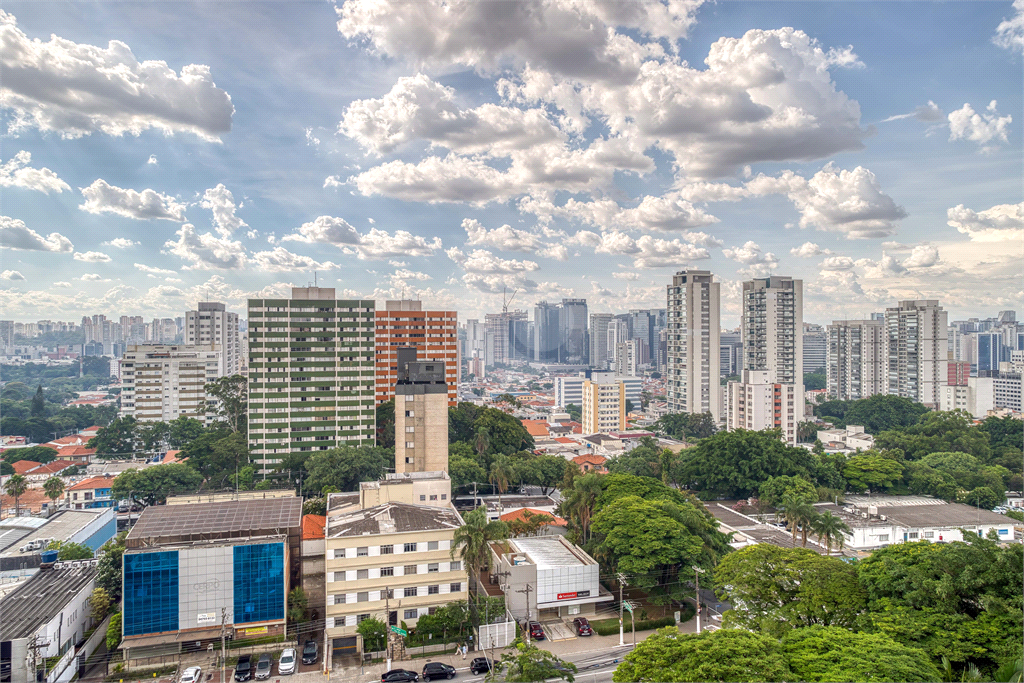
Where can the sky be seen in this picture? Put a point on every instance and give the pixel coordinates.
(161, 153)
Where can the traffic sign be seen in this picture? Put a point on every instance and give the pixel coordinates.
(399, 631)
(628, 605)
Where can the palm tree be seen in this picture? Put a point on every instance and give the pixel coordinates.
(15, 486)
(830, 529)
(54, 488)
(797, 511)
(580, 500)
(473, 538)
(501, 474)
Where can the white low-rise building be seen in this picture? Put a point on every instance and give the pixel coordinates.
(852, 438)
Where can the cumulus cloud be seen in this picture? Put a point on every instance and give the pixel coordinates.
(922, 256)
(1004, 222)
(221, 203)
(758, 263)
(647, 251)
(93, 277)
(154, 270)
(837, 263)
(983, 128)
(505, 238)
(152, 160)
(403, 274)
(666, 213)
(14, 234)
(376, 244)
(483, 262)
(888, 267)
(629, 275)
(206, 251)
(121, 243)
(1010, 32)
(808, 250)
(326, 230)
(63, 284)
(928, 113)
(280, 259)
(91, 257)
(11, 275)
(102, 197)
(77, 89)
(16, 172)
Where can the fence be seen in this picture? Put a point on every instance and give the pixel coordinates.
(496, 635)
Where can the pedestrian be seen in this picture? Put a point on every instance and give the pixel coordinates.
(465, 648)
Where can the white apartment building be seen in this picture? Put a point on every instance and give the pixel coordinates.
(693, 345)
(569, 391)
(600, 353)
(758, 402)
(604, 407)
(815, 348)
(857, 359)
(618, 332)
(982, 394)
(634, 385)
(918, 350)
(627, 358)
(214, 324)
(163, 382)
(773, 315)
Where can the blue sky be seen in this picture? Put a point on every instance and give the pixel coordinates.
(556, 147)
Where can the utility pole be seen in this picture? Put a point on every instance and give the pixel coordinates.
(697, 571)
(622, 580)
(223, 649)
(527, 590)
(387, 623)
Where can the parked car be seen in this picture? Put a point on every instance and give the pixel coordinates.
(435, 670)
(123, 506)
(243, 670)
(536, 631)
(582, 626)
(286, 665)
(398, 675)
(193, 674)
(480, 665)
(263, 666)
(310, 652)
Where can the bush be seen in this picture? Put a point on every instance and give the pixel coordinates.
(603, 628)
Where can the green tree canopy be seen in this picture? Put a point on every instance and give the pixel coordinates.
(386, 424)
(374, 633)
(231, 396)
(545, 471)
(668, 656)
(116, 441)
(876, 413)
(835, 654)
(642, 461)
(528, 663)
(154, 484)
(872, 470)
(182, 431)
(109, 569)
(40, 454)
(472, 538)
(344, 467)
(68, 550)
(775, 489)
(687, 425)
(946, 432)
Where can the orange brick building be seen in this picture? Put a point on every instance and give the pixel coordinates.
(433, 333)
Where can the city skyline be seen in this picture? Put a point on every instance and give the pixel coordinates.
(821, 142)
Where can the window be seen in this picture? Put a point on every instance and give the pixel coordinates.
(410, 592)
(362, 574)
(422, 497)
(339, 576)
(387, 549)
(387, 571)
(388, 593)
(259, 572)
(361, 618)
(433, 590)
(433, 496)
(409, 413)
(340, 598)
(433, 568)
(339, 553)
(410, 547)
(409, 397)
(409, 569)
(363, 597)
(410, 430)
(431, 610)
(883, 537)
(444, 496)
(362, 552)
(456, 566)
(431, 545)
(410, 444)
(929, 534)
(410, 614)
(912, 534)
(456, 587)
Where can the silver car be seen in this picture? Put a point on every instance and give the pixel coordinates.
(286, 665)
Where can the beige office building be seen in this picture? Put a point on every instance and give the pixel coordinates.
(604, 407)
(421, 414)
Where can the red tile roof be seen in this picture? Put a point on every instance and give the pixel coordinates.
(32, 499)
(23, 466)
(80, 451)
(592, 458)
(564, 439)
(93, 483)
(172, 456)
(536, 427)
(313, 527)
(53, 467)
(521, 516)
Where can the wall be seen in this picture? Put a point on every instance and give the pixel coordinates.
(205, 586)
(99, 531)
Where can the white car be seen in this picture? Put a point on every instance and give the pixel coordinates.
(286, 665)
(193, 674)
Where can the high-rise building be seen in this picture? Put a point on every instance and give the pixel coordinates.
(547, 332)
(773, 328)
(573, 323)
(757, 402)
(569, 391)
(815, 348)
(917, 354)
(311, 374)
(957, 373)
(421, 414)
(618, 332)
(165, 382)
(431, 333)
(987, 351)
(634, 385)
(6, 332)
(214, 325)
(857, 353)
(627, 358)
(731, 352)
(507, 334)
(604, 407)
(694, 354)
(599, 352)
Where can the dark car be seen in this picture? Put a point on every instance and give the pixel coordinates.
(310, 652)
(480, 665)
(582, 626)
(243, 670)
(263, 665)
(536, 631)
(398, 675)
(435, 670)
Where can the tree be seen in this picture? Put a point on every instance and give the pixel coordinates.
(100, 603)
(876, 413)
(40, 454)
(528, 663)
(154, 484)
(836, 654)
(109, 572)
(816, 380)
(807, 432)
(984, 498)
(473, 537)
(231, 401)
(346, 466)
(374, 633)
(872, 470)
(774, 589)
(38, 403)
(182, 431)
(15, 487)
(298, 605)
(53, 488)
(67, 550)
(575, 412)
(500, 475)
(152, 435)
(579, 501)
(114, 631)
(947, 432)
(776, 488)
(464, 471)
(386, 424)
(116, 441)
(798, 513)
(530, 523)
(687, 425)
(642, 461)
(723, 655)
(545, 471)
(315, 506)
(831, 530)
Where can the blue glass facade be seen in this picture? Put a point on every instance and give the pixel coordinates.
(150, 593)
(259, 582)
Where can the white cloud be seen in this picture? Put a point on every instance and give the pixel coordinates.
(152, 160)
(758, 263)
(221, 203)
(1010, 32)
(121, 243)
(62, 284)
(397, 264)
(928, 113)
(483, 262)
(837, 263)
(1004, 222)
(77, 89)
(922, 256)
(17, 173)
(647, 251)
(505, 238)
(888, 267)
(154, 270)
(101, 197)
(665, 213)
(11, 275)
(91, 257)
(703, 191)
(808, 250)
(982, 128)
(280, 259)
(376, 244)
(626, 276)
(14, 234)
(93, 277)
(333, 181)
(312, 140)
(206, 251)
(403, 274)
(326, 230)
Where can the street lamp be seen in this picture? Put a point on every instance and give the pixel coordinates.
(697, 571)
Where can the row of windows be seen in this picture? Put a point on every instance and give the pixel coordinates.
(404, 570)
(364, 551)
(389, 594)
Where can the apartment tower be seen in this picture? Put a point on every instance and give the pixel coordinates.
(604, 407)
(916, 333)
(213, 324)
(693, 344)
(434, 335)
(165, 382)
(857, 353)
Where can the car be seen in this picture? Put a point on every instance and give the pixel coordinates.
(435, 670)
(480, 665)
(263, 665)
(193, 674)
(582, 626)
(310, 652)
(286, 665)
(398, 675)
(536, 631)
(123, 506)
(243, 670)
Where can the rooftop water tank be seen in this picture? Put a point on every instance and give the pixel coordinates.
(48, 556)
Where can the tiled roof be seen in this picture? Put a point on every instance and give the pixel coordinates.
(23, 466)
(520, 515)
(564, 439)
(591, 458)
(93, 483)
(172, 456)
(32, 499)
(53, 467)
(68, 451)
(313, 527)
(535, 427)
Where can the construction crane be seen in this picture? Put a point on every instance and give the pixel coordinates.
(506, 302)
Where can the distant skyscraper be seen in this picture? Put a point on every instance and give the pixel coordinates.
(618, 332)
(599, 353)
(693, 384)
(574, 331)
(857, 355)
(731, 346)
(918, 350)
(547, 332)
(507, 333)
(815, 348)
(214, 325)
(627, 358)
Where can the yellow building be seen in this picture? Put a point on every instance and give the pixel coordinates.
(604, 407)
